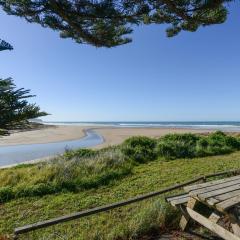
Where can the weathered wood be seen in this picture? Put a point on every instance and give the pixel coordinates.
(204, 196)
(216, 199)
(224, 205)
(234, 223)
(214, 227)
(185, 219)
(236, 229)
(174, 197)
(212, 201)
(208, 184)
(214, 217)
(177, 200)
(214, 187)
(227, 195)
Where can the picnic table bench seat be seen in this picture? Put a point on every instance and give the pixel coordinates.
(221, 197)
(177, 200)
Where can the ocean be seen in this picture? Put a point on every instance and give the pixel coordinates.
(229, 126)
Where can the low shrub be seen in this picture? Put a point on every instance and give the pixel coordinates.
(139, 149)
(177, 146)
(80, 153)
(6, 194)
(174, 146)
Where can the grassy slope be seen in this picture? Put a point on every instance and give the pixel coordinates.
(122, 223)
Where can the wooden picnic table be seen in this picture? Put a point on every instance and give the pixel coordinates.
(221, 197)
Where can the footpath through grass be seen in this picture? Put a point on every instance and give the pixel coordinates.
(130, 222)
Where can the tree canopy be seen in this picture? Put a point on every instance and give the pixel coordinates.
(15, 111)
(5, 46)
(108, 23)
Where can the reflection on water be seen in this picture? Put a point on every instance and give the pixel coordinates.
(21, 153)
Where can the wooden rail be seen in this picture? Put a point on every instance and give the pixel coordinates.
(77, 215)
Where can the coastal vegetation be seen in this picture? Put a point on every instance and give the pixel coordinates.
(84, 169)
(85, 178)
(109, 23)
(14, 108)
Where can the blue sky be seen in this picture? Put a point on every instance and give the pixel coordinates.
(192, 77)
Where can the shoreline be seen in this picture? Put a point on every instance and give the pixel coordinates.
(50, 134)
(31, 153)
(111, 135)
(38, 160)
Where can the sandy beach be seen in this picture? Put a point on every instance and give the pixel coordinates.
(111, 136)
(45, 135)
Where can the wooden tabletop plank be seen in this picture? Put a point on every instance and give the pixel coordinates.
(214, 187)
(177, 197)
(212, 201)
(180, 201)
(215, 193)
(228, 195)
(217, 199)
(224, 205)
(177, 200)
(208, 184)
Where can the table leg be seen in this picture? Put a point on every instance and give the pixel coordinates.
(234, 223)
(184, 222)
(214, 227)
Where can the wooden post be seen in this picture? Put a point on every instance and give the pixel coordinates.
(185, 219)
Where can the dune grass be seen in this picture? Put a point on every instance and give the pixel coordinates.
(87, 169)
(130, 222)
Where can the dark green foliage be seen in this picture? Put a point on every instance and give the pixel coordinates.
(14, 107)
(189, 145)
(5, 46)
(217, 143)
(80, 153)
(40, 189)
(177, 145)
(6, 194)
(139, 149)
(105, 23)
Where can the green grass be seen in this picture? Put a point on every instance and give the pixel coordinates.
(87, 169)
(74, 172)
(129, 222)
